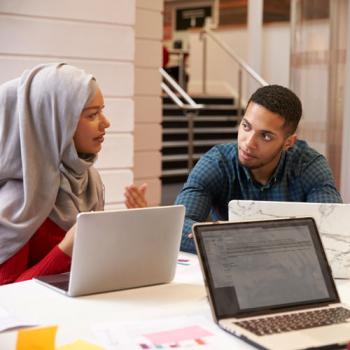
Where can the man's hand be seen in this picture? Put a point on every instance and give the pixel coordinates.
(135, 197)
(190, 235)
(66, 245)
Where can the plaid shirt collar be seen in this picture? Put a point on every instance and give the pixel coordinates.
(276, 176)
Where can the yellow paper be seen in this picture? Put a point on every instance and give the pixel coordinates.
(80, 345)
(38, 338)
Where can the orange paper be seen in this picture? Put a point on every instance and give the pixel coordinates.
(38, 338)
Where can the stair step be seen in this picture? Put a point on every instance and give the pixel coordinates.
(209, 118)
(179, 157)
(202, 112)
(214, 99)
(167, 144)
(173, 172)
(170, 131)
(206, 99)
(216, 123)
(215, 107)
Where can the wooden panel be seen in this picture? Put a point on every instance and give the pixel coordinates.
(115, 79)
(148, 109)
(153, 194)
(151, 5)
(147, 164)
(115, 182)
(120, 113)
(233, 12)
(277, 10)
(68, 39)
(148, 53)
(148, 24)
(121, 11)
(117, 152)
(148, 137)
(147, 81)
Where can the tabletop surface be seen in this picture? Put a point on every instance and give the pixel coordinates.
(77, 317)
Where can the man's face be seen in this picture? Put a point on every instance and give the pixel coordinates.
(262, 138)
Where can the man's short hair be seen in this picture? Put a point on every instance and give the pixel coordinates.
(280, 100)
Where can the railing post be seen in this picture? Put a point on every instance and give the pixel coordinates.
(182, 70)
(239, 102)
(190, 147)
(204, 63)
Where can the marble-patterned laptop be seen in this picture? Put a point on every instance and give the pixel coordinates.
(333, 221)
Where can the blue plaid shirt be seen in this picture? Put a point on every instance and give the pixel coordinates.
(302, 175)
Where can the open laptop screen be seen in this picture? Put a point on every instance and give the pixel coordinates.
(253, 267)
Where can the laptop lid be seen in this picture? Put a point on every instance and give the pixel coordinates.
(123, 249)
(260, 267)
(331, 220)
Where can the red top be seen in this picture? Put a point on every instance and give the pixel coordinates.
(39, 256)
(165, 56)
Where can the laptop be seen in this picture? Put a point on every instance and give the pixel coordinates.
(122, 249)
(269, 283)
(331, 219)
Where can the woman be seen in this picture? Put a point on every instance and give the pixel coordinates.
(51, 128)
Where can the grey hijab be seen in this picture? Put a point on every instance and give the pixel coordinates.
(41, 173)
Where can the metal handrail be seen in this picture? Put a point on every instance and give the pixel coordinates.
(206, 31)
(170, 81)
(233, 55)
(190, 108)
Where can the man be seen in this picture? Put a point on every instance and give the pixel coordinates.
(266, 163)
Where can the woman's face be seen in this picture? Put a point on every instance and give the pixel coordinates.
(90, 132)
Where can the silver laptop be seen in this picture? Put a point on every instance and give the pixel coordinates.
(122, 249)
(331, 219)
(269, 283)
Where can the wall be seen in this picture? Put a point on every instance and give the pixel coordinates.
(222, 71)
(309, 79)
(148, 114)
(345, 170)
(99, 37)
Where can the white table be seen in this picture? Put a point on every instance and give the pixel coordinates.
(75, 317)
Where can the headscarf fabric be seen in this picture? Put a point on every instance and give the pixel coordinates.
(41, 173)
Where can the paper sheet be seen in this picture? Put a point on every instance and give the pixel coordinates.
(189, 333)
(80, 345)
(9, 320)
(38, 338)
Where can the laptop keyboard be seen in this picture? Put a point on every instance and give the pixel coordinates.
(296, 321)
(64, 285)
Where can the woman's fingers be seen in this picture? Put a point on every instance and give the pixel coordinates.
(135, 197)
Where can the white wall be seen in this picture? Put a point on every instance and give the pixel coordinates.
(310, 80)
(99, 36)
(345, 169)
(222, 71)
(148, 113)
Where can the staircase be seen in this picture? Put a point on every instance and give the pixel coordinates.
(216, 123)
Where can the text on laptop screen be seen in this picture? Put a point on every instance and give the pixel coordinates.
(262, 265)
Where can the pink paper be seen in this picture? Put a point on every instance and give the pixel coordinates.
(177, 335)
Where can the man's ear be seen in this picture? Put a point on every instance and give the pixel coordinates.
(290, 141)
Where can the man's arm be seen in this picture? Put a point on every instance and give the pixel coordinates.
(204, 184)
(198, 204)
(319, 184)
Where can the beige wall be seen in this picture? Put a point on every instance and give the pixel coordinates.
(99, 37)
(148, 114)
